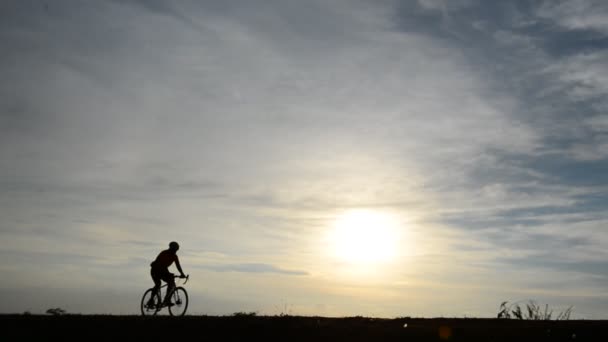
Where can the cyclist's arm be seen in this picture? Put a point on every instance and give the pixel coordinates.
(179, 267)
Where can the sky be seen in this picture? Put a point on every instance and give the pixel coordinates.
(336, 158)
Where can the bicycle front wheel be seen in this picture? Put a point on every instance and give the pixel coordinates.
(179, 298)
(150, 306)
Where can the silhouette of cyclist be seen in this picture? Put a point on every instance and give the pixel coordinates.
(160, 271)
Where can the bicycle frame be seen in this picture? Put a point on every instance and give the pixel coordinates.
(176, 277)
(160, 293)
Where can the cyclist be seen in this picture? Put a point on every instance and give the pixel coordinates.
(160, 271)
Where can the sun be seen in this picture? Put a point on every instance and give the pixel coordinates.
(365, 236)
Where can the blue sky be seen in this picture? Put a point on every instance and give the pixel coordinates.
(248, 131)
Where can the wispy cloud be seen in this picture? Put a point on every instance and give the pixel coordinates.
(252, 268)
(577, 14)
(243, 128)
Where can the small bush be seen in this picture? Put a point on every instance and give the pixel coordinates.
(56, 311)
(532, 311)
(245, 314)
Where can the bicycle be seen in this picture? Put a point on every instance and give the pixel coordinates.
(178, 300)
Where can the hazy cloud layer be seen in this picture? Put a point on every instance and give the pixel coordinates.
(242, 129)
(253, 268)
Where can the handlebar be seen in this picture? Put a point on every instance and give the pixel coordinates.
(186, 277)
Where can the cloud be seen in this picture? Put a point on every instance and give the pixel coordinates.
(577, 14)
(442, 4)
(349, 90)
(584, 76)
(252, 268)
(241, 129)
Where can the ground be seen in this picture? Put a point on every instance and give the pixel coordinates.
(293, 328)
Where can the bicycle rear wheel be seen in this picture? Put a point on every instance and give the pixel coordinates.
(150, 306)
(179, 298)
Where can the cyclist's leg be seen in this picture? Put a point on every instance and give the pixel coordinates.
(156, 278)
(170, 280)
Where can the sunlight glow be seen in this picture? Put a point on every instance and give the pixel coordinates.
(365, 237)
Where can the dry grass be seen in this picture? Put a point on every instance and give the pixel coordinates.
(531, 311)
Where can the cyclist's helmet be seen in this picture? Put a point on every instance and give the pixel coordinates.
(173, 246)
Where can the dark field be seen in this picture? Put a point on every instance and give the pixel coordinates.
(292, 328)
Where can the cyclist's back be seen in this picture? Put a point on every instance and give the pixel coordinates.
(164, 260)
